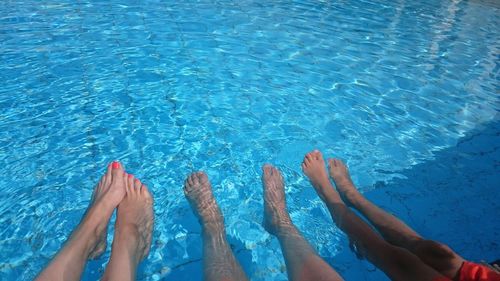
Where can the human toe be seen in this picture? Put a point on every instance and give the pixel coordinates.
(109, 174)
(189, 181)
(307, 159)
(116, 167)
(339, 163)
(303, 165)
(272, 171)
(276, 173)
(130, 183)
(137, 185)
(202, 177)
(117, 172)
(318, 155)
(310, 156)
(268, 170)
(195, 179)
(146, 193)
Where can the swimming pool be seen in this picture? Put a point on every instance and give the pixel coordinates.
(406, 93)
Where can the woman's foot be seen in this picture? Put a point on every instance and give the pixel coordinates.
(314, 168)
(198, 191)
(340, 175)
(107, 194)
(275, 214)
(134, 219)
(88, 240)
(133, 231)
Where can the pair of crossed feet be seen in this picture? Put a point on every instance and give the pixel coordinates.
(134, 220)
(198, 191)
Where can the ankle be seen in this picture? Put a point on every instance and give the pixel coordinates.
(285, 229)
(330, 195)
(321, 182)
(355, 199)
(126, 235)
(102, 206)
(126, 242)
(350, 192)
(213, 227)
(342, 180)
(127, 230)
(92, 226)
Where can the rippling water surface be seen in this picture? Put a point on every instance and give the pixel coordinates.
(169, 87)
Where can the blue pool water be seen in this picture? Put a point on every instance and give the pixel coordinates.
(406, 93)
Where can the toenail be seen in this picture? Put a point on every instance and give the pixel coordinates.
(130, 176)
(115, 165)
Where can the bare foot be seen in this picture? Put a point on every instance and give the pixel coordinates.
(134, 219)
(340, 175)
(314, 168)
(198, 191)
(107, 194)
(275, 214)
(88, 240)
(219, 262)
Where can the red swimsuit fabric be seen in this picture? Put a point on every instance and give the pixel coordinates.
(473, 272)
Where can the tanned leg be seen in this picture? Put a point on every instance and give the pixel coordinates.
(133, 230)
(302, 262)
(88, 240)
(396, 262)
(436, 255)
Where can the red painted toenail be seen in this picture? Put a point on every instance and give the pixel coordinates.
(115, 165)
(130, 176)
(137, 180)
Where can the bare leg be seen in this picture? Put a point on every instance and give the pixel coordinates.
(88, 240)
(396, 262)
(437, 255)
(218, 259)
(301, 260)
(133, 229)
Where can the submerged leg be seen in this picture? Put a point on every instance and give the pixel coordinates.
(437, 255)
(133, 230)
(88, 240)
(396, 262)
(301, 260)
(219, 262)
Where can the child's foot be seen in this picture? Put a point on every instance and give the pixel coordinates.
(198, 191)
(340, 175)
(275, 214)
(314, 168)
(134, 220)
